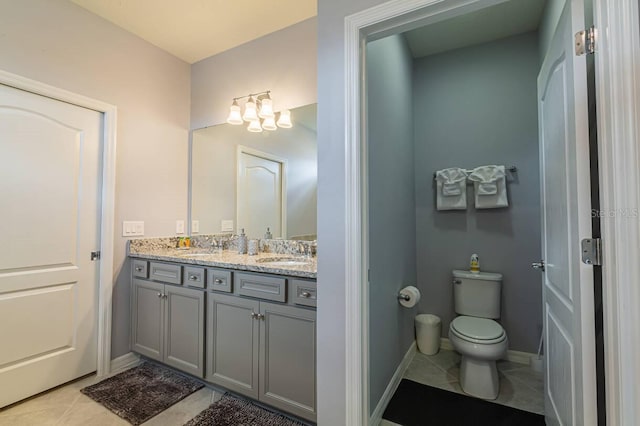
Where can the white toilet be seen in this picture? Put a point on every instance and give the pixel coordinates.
(474, 334)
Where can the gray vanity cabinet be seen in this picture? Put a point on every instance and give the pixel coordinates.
(263, 350)
(184, 329)
(288, 358)
(232, 343)
(168, 324)
(147, 327)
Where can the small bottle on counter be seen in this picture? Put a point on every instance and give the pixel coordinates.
(267, 235)
(242, 242)
(474, 263)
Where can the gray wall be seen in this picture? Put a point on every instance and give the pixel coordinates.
(392, 230)
(332, 287)
(61, 44)
(476, 106)
(284, 62)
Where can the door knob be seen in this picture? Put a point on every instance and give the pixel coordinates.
(538, 265)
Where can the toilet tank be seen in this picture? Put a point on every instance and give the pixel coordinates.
(477, 294)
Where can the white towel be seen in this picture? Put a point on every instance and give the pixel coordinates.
(451, 189)
(489, 183)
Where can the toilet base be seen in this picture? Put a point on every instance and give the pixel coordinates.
(479, 378)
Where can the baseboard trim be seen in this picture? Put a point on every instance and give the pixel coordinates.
(513, 356)
(124, 362)
(376, 416)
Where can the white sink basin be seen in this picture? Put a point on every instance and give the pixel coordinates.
(279, 261)
(288, 263)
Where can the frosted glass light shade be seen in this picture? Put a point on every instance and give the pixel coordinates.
(266, 109)
(269, 124)
(250, 113)
(254, 126)
(285, 119)
(234, 114)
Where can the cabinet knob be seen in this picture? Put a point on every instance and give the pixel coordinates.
(164, 296)
(138, 268)
(159, 294)
(260, 317)
(218, 281)
(305, 294)
(254, 315)
(193, 278)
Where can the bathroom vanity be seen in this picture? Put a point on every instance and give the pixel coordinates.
(245, 323)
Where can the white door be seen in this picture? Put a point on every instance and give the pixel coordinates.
(260, 192)
(569, 333)
(49, 222)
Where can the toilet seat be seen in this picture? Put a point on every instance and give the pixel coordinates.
(478, 330)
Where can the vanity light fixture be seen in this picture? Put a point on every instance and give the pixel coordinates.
(258, 112)
(285, 119)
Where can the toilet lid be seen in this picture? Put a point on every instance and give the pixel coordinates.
(477, 328)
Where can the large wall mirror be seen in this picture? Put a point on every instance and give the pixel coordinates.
(256, 181)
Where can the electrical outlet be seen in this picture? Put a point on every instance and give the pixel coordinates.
(226, 226)
(195, 226)
(132, 229)
(179, 226)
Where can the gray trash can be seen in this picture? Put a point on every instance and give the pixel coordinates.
(428, 333)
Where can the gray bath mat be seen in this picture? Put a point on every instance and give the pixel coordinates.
(231, 411)
(140, 393)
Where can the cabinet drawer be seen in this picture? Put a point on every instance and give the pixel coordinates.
(304, 292)
(219, 280)
(194, 276)
(263, 287)
(165, 272)
(140, 268)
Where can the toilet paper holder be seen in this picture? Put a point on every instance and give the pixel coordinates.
(403, 297)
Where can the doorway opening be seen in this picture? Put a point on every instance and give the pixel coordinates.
(483, 102)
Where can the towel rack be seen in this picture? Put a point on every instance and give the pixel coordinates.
(511, 169)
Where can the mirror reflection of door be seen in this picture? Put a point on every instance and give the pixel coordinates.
(260, 193)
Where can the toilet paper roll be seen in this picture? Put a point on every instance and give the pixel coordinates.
(414, 296)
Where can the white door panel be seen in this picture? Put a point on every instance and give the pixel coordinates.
(570, 393)
(260, 192)
(50, 180)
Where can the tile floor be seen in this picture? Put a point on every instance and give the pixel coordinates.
(520, 386)
(67, 406)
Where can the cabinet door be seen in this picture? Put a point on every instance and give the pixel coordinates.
(288, 359)
(147, 316)
(232, 343)
(184, 329)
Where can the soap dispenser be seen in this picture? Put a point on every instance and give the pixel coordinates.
(267, 235)
(242, 242)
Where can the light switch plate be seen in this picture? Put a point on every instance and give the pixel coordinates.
(195, 226)
(132, 228)
(179, 226)
(226, 226)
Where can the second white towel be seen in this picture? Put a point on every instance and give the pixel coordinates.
(489, 183)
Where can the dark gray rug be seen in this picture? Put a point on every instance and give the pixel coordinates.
(140, 393)
(231, 411)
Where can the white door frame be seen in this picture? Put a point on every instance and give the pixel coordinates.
(283, 184)
(105, 285)
(618, 90)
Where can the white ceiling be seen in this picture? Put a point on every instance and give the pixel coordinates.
(196, 29)
(485, 25)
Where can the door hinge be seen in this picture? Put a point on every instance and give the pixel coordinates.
(592, 251)
(586, 41)
(95, 255)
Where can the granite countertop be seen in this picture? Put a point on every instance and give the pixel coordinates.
(230, 259)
